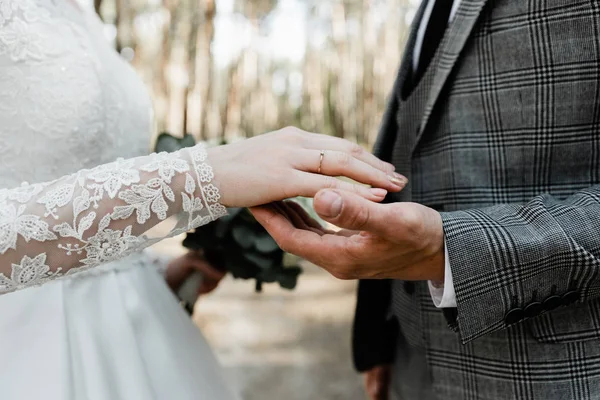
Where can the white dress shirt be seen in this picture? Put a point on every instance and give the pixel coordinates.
(443, 296)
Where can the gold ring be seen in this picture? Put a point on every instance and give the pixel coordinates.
(321, 161)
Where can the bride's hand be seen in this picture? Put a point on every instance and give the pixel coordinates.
(285, 164)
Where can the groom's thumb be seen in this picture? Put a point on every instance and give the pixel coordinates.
(350, 211)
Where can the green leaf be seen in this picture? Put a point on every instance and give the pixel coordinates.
(234, 212)
(201, 238)
(269, 275)
(169, 143)
(224, 224)
(243, 235)
(191, 243)
(295, 270)
(239, 267)
(261, 261)
(188, 140)
(288, 277)
(216, 259)
(266, 244)
(249, 218)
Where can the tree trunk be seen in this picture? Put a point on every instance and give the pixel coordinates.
(124, 23)
(204, 45)
(368, 108)
(163, 87)
(230, 100)
(336, 96)
(233, 111)
(97, 6)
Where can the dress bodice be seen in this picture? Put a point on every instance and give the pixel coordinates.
(67, 100)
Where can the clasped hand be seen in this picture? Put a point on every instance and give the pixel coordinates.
(285, 164)
(396, 241)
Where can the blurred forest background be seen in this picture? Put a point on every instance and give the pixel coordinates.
(224, 69)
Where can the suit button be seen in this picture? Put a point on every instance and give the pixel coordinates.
(409, 287)
(570, 297)
(534, 309)
(552, 302)
(513, 316)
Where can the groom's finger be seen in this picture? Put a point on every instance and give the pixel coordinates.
(349, 211)
(304, 243)
(310, 221)
(297, 219)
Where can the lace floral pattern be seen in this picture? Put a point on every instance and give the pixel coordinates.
(31, 271)
(100, 215)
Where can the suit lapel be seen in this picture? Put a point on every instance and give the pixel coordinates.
(452, 44)
(388, 130)
(406, 65)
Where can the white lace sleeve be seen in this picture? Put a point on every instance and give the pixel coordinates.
(94, 216)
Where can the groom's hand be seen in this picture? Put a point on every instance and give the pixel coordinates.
(397, 241)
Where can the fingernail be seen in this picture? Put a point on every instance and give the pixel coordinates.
(379, 192)
(398, 179)
(329, 204)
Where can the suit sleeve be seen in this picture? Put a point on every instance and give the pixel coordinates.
(507, 257)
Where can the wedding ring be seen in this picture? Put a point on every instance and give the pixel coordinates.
(321, 161)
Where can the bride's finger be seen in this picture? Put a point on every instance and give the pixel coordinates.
(325, 142)
(337, 163)
(307, 185)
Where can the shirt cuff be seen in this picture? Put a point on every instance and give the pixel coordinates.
(443, 296)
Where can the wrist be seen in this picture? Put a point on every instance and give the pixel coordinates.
(216, 158)
(436, 264)
(437, 267)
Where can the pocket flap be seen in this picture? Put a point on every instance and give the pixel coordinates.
(574, 323)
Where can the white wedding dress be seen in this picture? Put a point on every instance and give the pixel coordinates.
(83, 314)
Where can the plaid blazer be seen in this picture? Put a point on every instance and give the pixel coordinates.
(502, 136)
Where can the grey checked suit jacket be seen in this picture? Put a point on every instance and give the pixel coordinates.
(502, 136)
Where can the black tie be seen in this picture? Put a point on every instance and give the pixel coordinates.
(433, 36)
